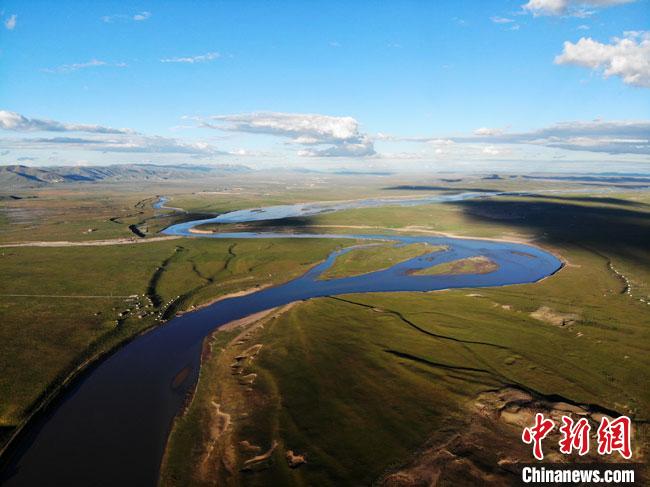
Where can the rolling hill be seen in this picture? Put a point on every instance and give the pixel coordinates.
(19, 176)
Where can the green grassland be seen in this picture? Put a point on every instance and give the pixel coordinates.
(60, 306)
(321, 384)
(469, 265)
(357, 384)
(325, 388)
(375, 257)
(75, 213)
(81, 212)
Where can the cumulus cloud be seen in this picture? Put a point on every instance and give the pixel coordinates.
(202, 58)
(613, 137)
(577, 8)
(20, 123)
(627, 57)
(10, 23)
(320, 135)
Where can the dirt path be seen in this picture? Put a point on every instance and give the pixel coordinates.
(63, 296)
(89, 243)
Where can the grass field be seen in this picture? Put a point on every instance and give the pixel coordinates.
(60, 306)
(356, 400)
(358, 384)
(374, 258)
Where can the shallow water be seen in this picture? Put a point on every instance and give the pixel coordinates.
(110, 428)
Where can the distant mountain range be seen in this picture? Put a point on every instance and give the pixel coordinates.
(17, 176)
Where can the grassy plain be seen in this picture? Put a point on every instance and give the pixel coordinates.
(365, 386)
(356, 400)
(61, 306)
(374, 258)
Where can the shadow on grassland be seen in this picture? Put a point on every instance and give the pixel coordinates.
(438, 188)
(590, 199)
(301, 224)
(597, 224)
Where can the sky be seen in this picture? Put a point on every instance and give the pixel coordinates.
(520, 85)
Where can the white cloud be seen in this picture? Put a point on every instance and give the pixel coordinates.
(10, 23)
(501, 20)
(321, 135)
(627, 57)
(139, 17)
(210, 56)
(19, 123)
(132, 143)
(362, 148)
(93, 63)
(576, 8)
(546, 7)
(613, 137)
(442, 147)
(491, 150)
(488, 131)
(248, 153)
(100, 138)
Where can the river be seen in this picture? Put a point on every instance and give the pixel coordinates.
(110, 427)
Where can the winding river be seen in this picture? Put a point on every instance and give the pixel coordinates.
(110, 427)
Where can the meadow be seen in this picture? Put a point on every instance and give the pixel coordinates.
(63, 307)
(364, 388)
(357, 401)
(374, 258)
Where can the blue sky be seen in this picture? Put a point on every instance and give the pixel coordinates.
(406, 85)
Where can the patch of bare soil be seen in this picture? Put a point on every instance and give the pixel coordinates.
(249, 447)
(233, 324)
(259, 461)
(217, 426)
(553, 317)
(247, 320)
(487, 448)
(90, 243)
(294, 459)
